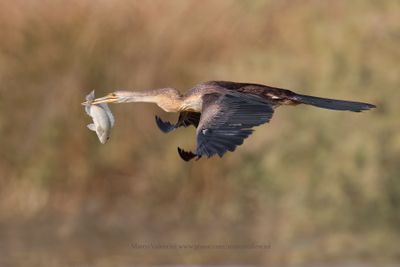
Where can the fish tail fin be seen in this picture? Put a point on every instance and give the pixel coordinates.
(91, 127)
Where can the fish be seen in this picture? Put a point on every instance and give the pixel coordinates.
(103, 119)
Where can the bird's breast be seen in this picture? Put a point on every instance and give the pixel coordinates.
(192, 104)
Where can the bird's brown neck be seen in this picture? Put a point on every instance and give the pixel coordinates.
(169, 104)
(168, 99)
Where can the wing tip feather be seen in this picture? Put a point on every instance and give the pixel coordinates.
(187, 155)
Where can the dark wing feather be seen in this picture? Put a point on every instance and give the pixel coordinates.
(332, 103)
(227, 120)
(164, 126)
(185, 119)
(186, 155)
(188, 118)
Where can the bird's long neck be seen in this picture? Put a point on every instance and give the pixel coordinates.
(168, 99)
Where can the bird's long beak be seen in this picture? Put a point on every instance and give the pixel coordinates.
(110, 98)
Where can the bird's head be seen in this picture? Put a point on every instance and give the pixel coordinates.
(168, 99)
(115, 97)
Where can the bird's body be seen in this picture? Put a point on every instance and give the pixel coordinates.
(224, 112)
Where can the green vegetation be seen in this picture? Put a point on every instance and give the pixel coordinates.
(318, 186)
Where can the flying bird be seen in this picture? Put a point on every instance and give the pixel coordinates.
(223, 112)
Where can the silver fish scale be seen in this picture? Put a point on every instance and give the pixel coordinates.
(103, 120)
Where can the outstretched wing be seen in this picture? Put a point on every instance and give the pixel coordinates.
(226, 120)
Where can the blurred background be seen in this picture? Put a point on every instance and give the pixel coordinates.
(315, 186)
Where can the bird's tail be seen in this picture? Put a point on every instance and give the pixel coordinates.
(331, 103)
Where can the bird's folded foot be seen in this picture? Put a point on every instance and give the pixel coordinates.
(164, 126)
(187, 155)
